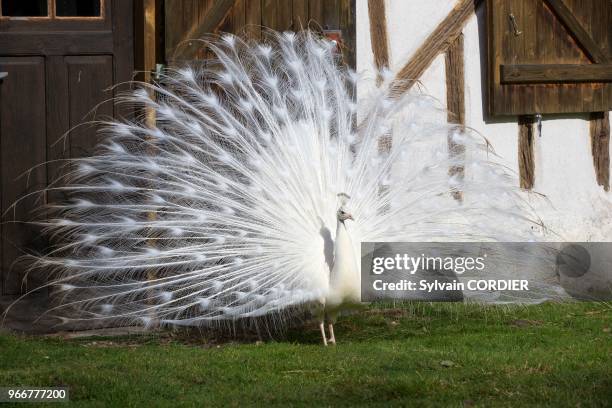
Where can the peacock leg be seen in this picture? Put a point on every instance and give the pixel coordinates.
(322, 327)
(332, 338)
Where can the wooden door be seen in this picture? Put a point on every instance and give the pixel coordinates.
(549, 56)
(188, 20)
(62, 57)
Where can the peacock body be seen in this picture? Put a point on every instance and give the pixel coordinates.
(236, 203)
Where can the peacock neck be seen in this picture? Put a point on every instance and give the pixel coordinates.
(344, 277)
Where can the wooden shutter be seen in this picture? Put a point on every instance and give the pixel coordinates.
(549, 56)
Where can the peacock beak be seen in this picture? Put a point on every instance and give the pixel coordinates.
(350, 217)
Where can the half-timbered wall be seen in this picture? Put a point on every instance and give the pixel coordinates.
(569, 158)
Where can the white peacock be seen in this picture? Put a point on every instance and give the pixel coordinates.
(226, 210)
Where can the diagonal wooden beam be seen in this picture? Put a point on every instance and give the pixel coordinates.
(378, 35)
(576, 30)
(380, 49)
(438, 41)
(212, 21)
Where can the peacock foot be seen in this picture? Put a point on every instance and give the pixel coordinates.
(322, 327)
(332, 338)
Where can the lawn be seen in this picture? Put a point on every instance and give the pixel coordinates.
(412, 354)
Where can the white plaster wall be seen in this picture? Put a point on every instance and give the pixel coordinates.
(579, 209)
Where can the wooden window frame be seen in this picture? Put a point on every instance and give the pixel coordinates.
(29, 18)
(52, 14)
(80, 18)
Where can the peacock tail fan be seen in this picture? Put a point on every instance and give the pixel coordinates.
(224, 210)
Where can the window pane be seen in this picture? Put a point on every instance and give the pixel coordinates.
(24, 8)
(77, 8)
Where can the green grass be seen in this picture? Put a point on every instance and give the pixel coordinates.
(408, 355)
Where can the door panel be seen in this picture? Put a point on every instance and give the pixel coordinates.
(22, 146)
(89, 79)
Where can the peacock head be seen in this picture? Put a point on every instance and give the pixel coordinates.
(343, 213)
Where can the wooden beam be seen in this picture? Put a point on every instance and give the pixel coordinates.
(600, 147)
(214, 18)
(553, 73)
(437, 42)
(525, 152)
(58, 43)
(149, 65)
(455, 106)
(575, 29)
(148, 37)
(150, 120)
(378, 36)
